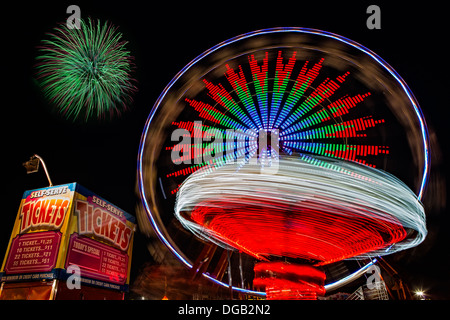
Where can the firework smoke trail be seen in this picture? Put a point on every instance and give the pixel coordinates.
(86, 73)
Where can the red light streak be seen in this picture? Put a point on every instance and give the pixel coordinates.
(307, 230)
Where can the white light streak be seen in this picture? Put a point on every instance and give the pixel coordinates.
(363, 192)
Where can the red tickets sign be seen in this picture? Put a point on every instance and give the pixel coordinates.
(33, 252)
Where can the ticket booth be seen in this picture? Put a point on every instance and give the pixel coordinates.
(67, 243)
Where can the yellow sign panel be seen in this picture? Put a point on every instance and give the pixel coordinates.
(68, 226)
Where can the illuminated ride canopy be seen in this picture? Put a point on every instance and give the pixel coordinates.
(286, 143)
(310, 209)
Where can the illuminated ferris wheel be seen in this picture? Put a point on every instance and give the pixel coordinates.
(284, 145)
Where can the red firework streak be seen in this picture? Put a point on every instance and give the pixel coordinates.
(311, 231)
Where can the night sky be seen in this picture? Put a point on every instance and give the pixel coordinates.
(163, 38)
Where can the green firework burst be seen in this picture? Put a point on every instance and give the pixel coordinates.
(86, 72)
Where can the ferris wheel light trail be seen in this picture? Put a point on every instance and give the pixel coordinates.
(314, 209)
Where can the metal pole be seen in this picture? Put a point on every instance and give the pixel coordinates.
(240, 270)
(230, 280)
(45, 169)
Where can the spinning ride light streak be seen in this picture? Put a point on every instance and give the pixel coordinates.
(316, 210)
(326, 105)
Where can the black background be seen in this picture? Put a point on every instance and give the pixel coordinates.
(164, 37)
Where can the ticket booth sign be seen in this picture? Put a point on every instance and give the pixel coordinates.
(65, 225)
